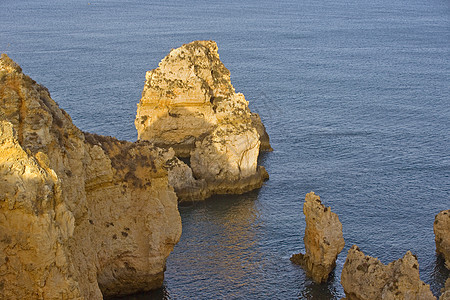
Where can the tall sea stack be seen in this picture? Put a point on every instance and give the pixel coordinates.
(323, 239)
(189, 104)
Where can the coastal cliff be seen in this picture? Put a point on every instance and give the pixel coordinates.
(323, 239)
(189, 104)
(366, 278)
(81, 216)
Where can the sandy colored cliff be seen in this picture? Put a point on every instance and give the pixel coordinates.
(81, 216)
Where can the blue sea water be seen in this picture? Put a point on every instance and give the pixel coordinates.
(355, 96)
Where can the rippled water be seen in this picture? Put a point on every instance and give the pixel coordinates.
(354, 94)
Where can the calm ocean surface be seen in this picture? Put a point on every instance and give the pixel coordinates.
(355, 96)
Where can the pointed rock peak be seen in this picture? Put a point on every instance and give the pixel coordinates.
(323, 239)
(6, 63)
(197, 46)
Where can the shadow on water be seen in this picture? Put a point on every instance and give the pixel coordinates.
(159, 294)
(222, 202)
(308, 289)
(263, 157)
(228, 252)
(439, 275)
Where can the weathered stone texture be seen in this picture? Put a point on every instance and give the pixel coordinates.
(323, 239)
(366, 278)
(189, 104)
(81, 216)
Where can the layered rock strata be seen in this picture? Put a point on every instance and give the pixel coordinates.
(323, 239)
(81, 216)
(189, 104)
(442, 235)
(366, 278)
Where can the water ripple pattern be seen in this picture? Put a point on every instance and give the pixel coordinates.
(354, 94)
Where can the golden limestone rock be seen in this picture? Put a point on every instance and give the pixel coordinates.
(81, 216)
(442, 235)
(189, 104)
(366, 278)
(177, 104)
(323, 239)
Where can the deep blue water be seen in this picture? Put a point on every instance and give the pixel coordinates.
(355, 96)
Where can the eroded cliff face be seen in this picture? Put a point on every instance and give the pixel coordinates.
(189, 104)
(442, 235)
(323, 239)
(81, 216)
(366, 278)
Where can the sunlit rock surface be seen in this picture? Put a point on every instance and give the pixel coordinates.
(366, 278)
(189, 104)
(323, 239)
(442, 235)
(81, 216)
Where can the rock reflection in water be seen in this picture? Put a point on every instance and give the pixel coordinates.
(159, 294)
(438, 272)
(223, 243)
(312, 290)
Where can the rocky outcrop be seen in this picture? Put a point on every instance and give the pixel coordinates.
(446, 291)
(81, 216)
(323, 239)
(261, 129)
(189, 104)
(442, 235)
(227, 160)
(366, 278)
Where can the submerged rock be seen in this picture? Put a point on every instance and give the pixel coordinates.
(323, 239)
(366, 278)
(442, 235)
(81, 216)
(189, 104)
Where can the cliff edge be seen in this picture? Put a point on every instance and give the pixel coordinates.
(81, 216)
